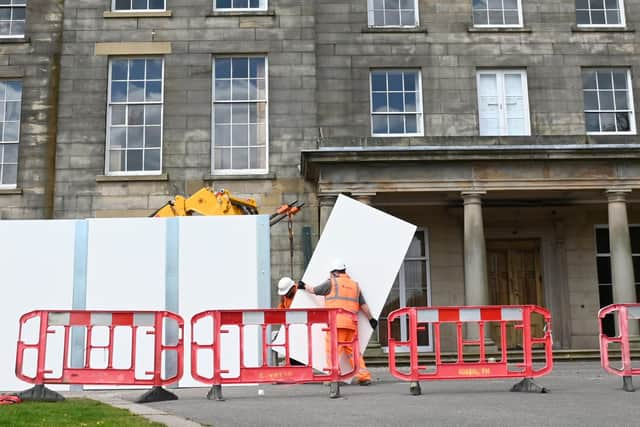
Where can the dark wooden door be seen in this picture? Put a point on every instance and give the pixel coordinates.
(515, 278)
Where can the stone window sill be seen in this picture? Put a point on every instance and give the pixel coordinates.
(392, 30)
(236, 13)
(10, 191)
(165, 14)
(15, 40)
(580, 29)
(257, 177)
(472, 29)
(132, 178)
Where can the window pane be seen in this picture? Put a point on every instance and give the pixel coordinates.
(240, 68)
(606, 100)
(607, 122)
(622, 122)
(118, 115)
(222, 158)
(240, 158)
(222, 113)
(378, 82)
(152, 160)
(223, 135)
(136, 69)
(222, 90)
(395, 81)
(9, 174)
(152, 136)
(592, 122)
(591, 100)
(136, 91)
(589, 80)
(223, 68)
(411, 124)
(602, 240)
(380, 125)
(117, 137)
(620, 79)
(136, 115)
(153, 114)
(604, 269)
(134, 137)
(396, 124)
(117, 159)
(396, 102)
(583, 17)
(134, 160)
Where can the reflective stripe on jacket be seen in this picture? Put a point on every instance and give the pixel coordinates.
(344, 294)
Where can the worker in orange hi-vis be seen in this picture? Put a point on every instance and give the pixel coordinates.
(287, 290)
(341, 291)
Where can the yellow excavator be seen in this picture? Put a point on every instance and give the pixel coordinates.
(209, 202)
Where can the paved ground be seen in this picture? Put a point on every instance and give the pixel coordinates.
(582, 394)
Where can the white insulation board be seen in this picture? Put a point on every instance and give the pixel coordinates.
(36, 271)
(219, 270)
(373, 245)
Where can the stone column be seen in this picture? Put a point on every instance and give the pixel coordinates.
(374, 349)
(325, 203)
(476, 285)
(624, 289)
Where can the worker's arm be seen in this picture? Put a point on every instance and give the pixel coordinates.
(365, 309)
(322, 289)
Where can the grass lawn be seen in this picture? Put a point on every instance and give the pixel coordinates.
(71, 412)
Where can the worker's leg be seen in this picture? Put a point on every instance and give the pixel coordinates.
(363, 375)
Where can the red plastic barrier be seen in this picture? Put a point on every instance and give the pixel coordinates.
(519, 316)
(624, 313)
(223, 320)
(52, 322)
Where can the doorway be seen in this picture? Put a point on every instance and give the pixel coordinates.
(515, 278)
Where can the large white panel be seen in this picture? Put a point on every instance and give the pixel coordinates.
(219, 269)
(373, 245)
(126, 271)
(36, 272)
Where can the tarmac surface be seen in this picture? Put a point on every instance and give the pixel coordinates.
(581, 394)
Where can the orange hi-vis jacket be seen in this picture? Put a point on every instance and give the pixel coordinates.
(344, 294)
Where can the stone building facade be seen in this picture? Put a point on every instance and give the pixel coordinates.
(30, 46)
(505, 130)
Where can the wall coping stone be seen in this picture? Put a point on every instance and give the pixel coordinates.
(10, 191)
(472, 29)
(257, 177)
(579, 29)
(131, 178)
(400, 30)
(237, 13)
(110, 14)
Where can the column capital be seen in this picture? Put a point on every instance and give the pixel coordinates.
(472, 197)
(617, 194)
(327, 199)
(363, 197)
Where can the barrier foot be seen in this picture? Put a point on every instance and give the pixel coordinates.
(156, 394)
(415, 389)
(39, 393)
(527, 385)
(627, 383)
(334, 390)
(215, 393)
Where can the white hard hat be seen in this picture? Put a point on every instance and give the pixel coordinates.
(284, 285)
(337, 264)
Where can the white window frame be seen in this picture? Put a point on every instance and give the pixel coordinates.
(519, 25)
(15, 4)
(419, 108)
(632, 114)
(402, 294)
(622, 23)
(108, 133)
(215, 171)
(16, 142)
(372, 23)
(264, 5)
(113, 8)
(502, 119)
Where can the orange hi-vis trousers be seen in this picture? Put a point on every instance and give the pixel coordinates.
(346, 335)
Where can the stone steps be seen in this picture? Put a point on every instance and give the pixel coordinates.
(377, 357)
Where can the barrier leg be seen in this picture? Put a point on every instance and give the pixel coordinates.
(215, 393)
(527, 385)
(415, 389)
(334, 390)
(627, 383)
(156, 394)
(39, 393)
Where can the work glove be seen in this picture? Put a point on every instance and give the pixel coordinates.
(373, 322)
(301, 284)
